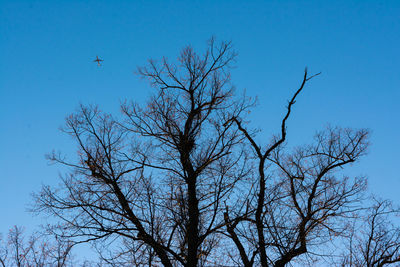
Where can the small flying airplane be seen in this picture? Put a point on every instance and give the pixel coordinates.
(98, 60)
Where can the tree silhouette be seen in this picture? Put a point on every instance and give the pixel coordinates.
(158, 179)
(375, 241)
(300, 204)
(182, 181)
(38, 250)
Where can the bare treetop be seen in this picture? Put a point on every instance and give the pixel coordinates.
(181, 181)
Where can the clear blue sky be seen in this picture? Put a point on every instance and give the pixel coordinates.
(46, 70)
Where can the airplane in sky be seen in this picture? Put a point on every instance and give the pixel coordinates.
(98, 60)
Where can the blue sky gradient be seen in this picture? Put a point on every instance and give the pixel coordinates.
(47, 50)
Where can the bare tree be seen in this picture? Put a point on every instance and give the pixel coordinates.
(38, 250)
(3, 252)
(297, 202)
(374, 240)
(181, 180)
(157, 180)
